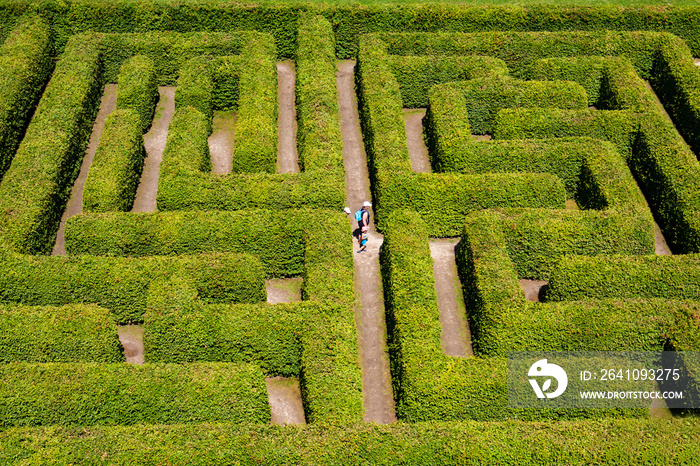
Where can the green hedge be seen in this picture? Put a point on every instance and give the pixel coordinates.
(647, 442)
(168, 50)
(319, 140)
(265, 335)
(195, 87)
(226, 74)
(115, 172)
(276, 238)
(255, 150)
(416, 75)
(138, 88)
(313, 243)
(677, 83)
(618, 127)
(36, 188)
(25, 66)
(352, 20)
(121, 284)
(443, 200)
(124, 394)
(669, 277)
(429, 385)
(76, 333)
(185, 185)
(484, 97)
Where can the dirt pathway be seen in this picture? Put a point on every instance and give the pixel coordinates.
(284, 396)
(75, 203)
(131, 337)
(378, 398)
(696, 61)
(456, 337)
(534, 290)
(413, 119)
(284, 393)
(154, 141)
(283, 290)
(287, 157)
(222, 140)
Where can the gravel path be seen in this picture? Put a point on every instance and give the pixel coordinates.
(456, 337)
(413, 119)
(75, 203)
(154, 141)
(369, 315)
(284, 396)
(287, 157)
(283, 290)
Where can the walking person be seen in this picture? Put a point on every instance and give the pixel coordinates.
(362, 217)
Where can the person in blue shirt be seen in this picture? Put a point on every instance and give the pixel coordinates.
(362, 217)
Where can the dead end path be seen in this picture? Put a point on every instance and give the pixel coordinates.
(154, 140)
(75, 203)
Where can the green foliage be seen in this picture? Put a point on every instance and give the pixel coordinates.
(126, 394)
(138, 89)
(168, 50)
(121, 284)
(36, 188)
(186, 185)
(25, 66)
(634, 441)
(319, 139)
(226, 74)
(75, 333)
(276, 238)
(115, 172)
(669, 277)
(195, 87)
(429, 385)
(265, 335)
(417, 74)
(255, 150)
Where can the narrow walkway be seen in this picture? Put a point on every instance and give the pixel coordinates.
(417, 150)
(455, 337)
(284, 393)
(287, 156)
(222, 140)
(369, 315)
(154, 141)
(696, 61)
(131, 338)
(75, 203)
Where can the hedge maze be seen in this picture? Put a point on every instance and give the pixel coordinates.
(559, 151)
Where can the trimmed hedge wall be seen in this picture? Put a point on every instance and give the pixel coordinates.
(37, 185)
(125, 394)
(319, 139)
(618, 127)
(416, 75)
(25, 66)
(443, 200)
(76, 333)
(648, 441)
(265, 335)
(195, 87)
(185, 185)
(115, 172)
(276, 238)
(483, 98)
(168, 50)
(255, 150)
(121, 284)
(668, 277)
(138, 89)
(422, 374)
